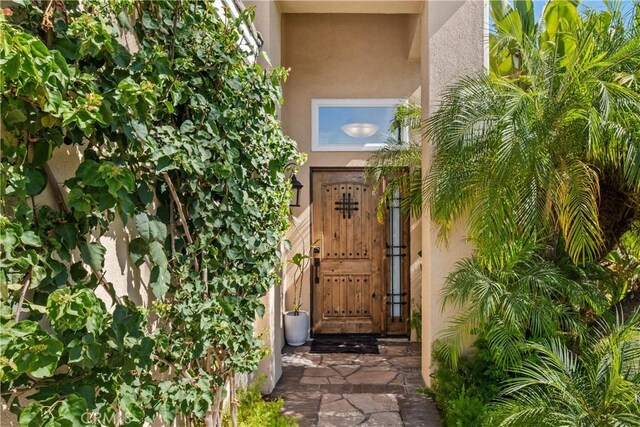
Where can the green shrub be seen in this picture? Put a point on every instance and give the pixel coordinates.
(415, 321)
(255, 411)
(463, 394)
(595, 384)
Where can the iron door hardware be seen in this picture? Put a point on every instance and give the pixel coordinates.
(316, 268)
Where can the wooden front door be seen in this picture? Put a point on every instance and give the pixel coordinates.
(347, 283)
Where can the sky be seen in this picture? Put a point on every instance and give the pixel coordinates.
(538, 5)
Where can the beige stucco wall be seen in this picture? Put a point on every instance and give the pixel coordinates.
(341, 56)
(268, 24)
(453, 44)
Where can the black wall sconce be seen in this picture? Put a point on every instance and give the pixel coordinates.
(296, 186)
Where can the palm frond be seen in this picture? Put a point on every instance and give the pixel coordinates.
(524, 152)
(598, 386)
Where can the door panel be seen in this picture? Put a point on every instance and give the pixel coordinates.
(348, 283)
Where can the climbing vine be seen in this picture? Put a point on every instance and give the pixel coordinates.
(175, 125)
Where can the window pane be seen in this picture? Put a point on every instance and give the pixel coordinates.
(354, 125)
(395, 251)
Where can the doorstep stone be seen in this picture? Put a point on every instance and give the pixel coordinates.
(376, 377)
(345, 370)
(369, 403)
(338, 359)
(406, 361)
(369, 360)
(320, 372)
(383, 419)
(393, 351)
(329, 397)
(339, 413)
(301, 360)
(314, 380)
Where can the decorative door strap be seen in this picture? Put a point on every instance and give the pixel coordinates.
(347, 205)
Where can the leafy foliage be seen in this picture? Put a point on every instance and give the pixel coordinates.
(549, 190)
(254, 410)
(598, 386)
(529, 297)
(398, 165)
(548, 139)
(415, 321)
(300, 262)
(179, 141)
(464, 393)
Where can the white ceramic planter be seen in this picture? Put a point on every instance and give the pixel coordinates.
(296, 328)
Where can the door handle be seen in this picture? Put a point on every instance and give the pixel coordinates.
(316, 268)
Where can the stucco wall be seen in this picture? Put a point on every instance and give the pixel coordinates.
(341, 56)
(268, 24)
(453, 44)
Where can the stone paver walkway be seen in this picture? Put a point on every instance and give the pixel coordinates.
(344, 390)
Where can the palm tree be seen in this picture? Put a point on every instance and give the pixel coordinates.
(548, 144)
(529, 297)
(397, 167)
(559, 387)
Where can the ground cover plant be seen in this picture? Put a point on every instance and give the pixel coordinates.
(254, 410)
(179, 142)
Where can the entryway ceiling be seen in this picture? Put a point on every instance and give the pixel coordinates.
(351, 6)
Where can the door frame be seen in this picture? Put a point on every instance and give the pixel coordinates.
(406, 265)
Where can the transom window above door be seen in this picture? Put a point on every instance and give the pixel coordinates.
(351, 124)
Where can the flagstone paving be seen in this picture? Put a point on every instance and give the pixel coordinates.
(343, 390)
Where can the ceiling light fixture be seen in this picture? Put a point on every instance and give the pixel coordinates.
(360, 130)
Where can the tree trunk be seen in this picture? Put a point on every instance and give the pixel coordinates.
(616, 211)
(234, 401)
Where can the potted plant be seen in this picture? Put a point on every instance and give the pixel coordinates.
(296, 321)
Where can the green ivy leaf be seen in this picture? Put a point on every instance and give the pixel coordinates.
(29, 238)
(78, 272)
(92, 253)
(38, 274)
(76, 309)
(89, 172)
(85, 352)
(87, 392)
(150, 229)
(32, 415)
(27, 348)
(37, 181)
(157, 255)
(144, 193)
(59, 272)
(140, 129)
(68, 234)
(80, 202)
(138, 248)
(12, 115)
(160, 280)
(72, 410)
